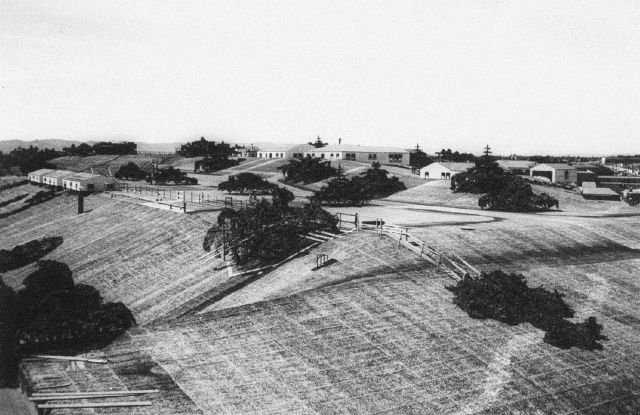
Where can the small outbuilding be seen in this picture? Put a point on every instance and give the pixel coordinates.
(556, 172)
(56, 177)
(599, 193)
(444, 170)
(86, 182)
(36, 176)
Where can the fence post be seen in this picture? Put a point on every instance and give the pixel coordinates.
(356, 221)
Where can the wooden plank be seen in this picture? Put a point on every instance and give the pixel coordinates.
(92, 405)
(70, 358)
(467, 264)
(54, 386)
(312, 238)
(94, 394)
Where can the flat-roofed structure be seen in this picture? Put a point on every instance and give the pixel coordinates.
(365, 154)
(36, 176)
(599, 193)
(86, 182)
(56, 177)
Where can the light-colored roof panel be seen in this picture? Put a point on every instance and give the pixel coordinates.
(516, 164)
(41, 172)
(557, 166)
(59, 173)
(453, 166)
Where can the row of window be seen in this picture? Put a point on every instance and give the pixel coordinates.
(393, 157)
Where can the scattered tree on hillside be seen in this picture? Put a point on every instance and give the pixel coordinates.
(418, 159)
(170, 175)
(307, 170)
(101, 148)
(130, 171)
(507, 298)
(27, 159)
(504, 191)
(246, 183)
(267, 232)
(371, 184)
(216, 155)
(82, 150)
(448, 155)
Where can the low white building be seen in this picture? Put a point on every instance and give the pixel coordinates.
(36, 176)
(275, 152)
(556, 172)
(86, 182)
(365, 154)
(56, 177)
(442, 170)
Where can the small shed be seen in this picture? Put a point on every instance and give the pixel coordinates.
(444, 170)
(86, 182)
(56, 177)
(36, 176)
(556, 172)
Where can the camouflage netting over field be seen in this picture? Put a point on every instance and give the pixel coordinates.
(385, 344)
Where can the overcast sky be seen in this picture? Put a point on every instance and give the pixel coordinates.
(524, 76)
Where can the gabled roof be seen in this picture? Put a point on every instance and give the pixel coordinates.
(453, 166)
(557, 166)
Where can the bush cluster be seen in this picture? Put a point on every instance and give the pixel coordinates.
(507, 298)
(170, 175)
(374, 183)
(247, 183)
(504, 191)
(130, 171)
(307, 170)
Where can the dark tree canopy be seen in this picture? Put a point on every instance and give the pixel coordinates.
(170, 175)
(418, 159)
(503, 191)
(307, 170)
(448, 155)
(216, 155)
(371, 184)
(101, 148)
(507, 298)
(246, 183)
(267, 232)
(27, 159)
(130, 171)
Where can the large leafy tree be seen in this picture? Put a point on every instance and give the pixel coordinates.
(216, 155)
(372, 184)
(307, 170)
(170, 175)
(130, 171)
(268, 231)
(27, 159)
(503, 191)
(246, 183)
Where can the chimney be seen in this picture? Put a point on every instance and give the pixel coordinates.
(80, 203)
(339, 140)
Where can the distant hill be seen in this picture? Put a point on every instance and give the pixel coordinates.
(8, 145)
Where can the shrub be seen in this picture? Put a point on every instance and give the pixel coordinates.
(246, 183)
(166, 176)
(507, 298)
